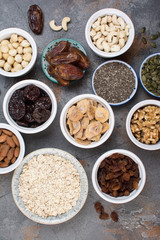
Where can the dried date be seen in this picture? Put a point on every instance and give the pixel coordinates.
(51, 71)
(62, 46)
(35, 19)
(69, 72)
(83, 60)
(67, 57)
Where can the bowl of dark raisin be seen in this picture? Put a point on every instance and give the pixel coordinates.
(118, 176)
(30, 106)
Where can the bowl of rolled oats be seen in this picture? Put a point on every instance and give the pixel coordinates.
(50, 186)
(143, 124)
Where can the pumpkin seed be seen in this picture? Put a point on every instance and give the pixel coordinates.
(153, 37)
(143, 30)
(144, 40)
(153, 45)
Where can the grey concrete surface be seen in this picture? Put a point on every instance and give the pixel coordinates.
(139, 219)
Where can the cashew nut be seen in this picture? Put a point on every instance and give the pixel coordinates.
(121, 22)
(54, 27)
(104, 20)
(115, 48)
(122, 34)
(109, 19)
(114, 20)
(121, 42)
(92, 33)
(105, 33)
(96, 24)
(97, 36)
(98, 28)
(106, 46)
(99, 43)
(64, 23)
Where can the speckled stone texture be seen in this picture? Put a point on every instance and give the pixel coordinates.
(139, 219)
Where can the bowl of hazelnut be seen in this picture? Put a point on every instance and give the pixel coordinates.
(18, 52)
(118, 176)
(143, 124)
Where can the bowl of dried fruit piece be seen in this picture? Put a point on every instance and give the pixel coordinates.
(143, 124)
(18, 52)
(12, 148)
(30, 106)
(109, 32)
(149, 74)
(87, 121)
(118, 176)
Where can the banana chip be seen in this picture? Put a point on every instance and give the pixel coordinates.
(87, 121)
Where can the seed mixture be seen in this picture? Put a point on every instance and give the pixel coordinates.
(49, 185)
(114, 82)
(145, 124)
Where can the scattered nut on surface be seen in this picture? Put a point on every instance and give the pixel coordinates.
(65, 21)
(54, 27)
(13, 52)
(109, 33)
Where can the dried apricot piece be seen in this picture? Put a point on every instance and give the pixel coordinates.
(101, 114)
(93, 129)
(83, 105)
(75, 114)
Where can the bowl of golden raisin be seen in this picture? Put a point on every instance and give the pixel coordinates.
(87, 121)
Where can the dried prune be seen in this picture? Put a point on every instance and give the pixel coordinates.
(18, 94)
(31, 92)
(28, 117)
(41, 115)
(23, 123)
(35, 19)
(62, 46)
(17, 109)
(30, 107)
(51, 71)
(43, 102)
(69, 72)
(83, 61)
(66, 57)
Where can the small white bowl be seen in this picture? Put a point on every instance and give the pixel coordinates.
(22, 149)
(104, 12)
(63, 124)
(140, 70)
(23, 84)
(135, 77)
(128, 121)
(6, 34)
(133, 194)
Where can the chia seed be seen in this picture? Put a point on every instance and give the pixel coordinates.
(114, 82)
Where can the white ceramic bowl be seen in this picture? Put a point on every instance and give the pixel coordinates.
(6, 34)
(62, 217)
(133, 194)
(63, 124)
(23, 84)
(128, 120)
(22, 149)
(101, 13)
(135, 77)
(140, 70)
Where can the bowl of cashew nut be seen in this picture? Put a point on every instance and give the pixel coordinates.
(18, 52)
(109, 32)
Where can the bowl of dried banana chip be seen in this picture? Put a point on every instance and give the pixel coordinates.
(87, 121)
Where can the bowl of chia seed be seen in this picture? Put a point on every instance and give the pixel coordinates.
(115, 81)
(149, 74)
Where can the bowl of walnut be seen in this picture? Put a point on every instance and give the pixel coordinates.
(143, 124)
(87, 121)
(109, 32)
(18, 52)
(118, 176)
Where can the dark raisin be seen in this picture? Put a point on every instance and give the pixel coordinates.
(104, 216)
(43, 102)
(41, 115)
(114, 216)
(98, 206)
(17, 109)
(31, 93)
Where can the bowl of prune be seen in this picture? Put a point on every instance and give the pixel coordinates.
(64, 61)
(30, 106)
(118, 176)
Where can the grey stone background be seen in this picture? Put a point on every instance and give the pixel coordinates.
(139, 219)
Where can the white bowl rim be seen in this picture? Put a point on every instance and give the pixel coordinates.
(109, 11)
(124, 199)
(140, 70)
(75, 100)
(135, 77)
(34, 49)
(22, 84)
(58, 152)
(128, 120)
(22, 149)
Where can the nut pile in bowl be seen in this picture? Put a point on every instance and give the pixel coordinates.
(15, 53)
(49, 185)
(145, 124)
(109, 33)
(30, 106)
(87, 121)
(9, 148)
(118, 175)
